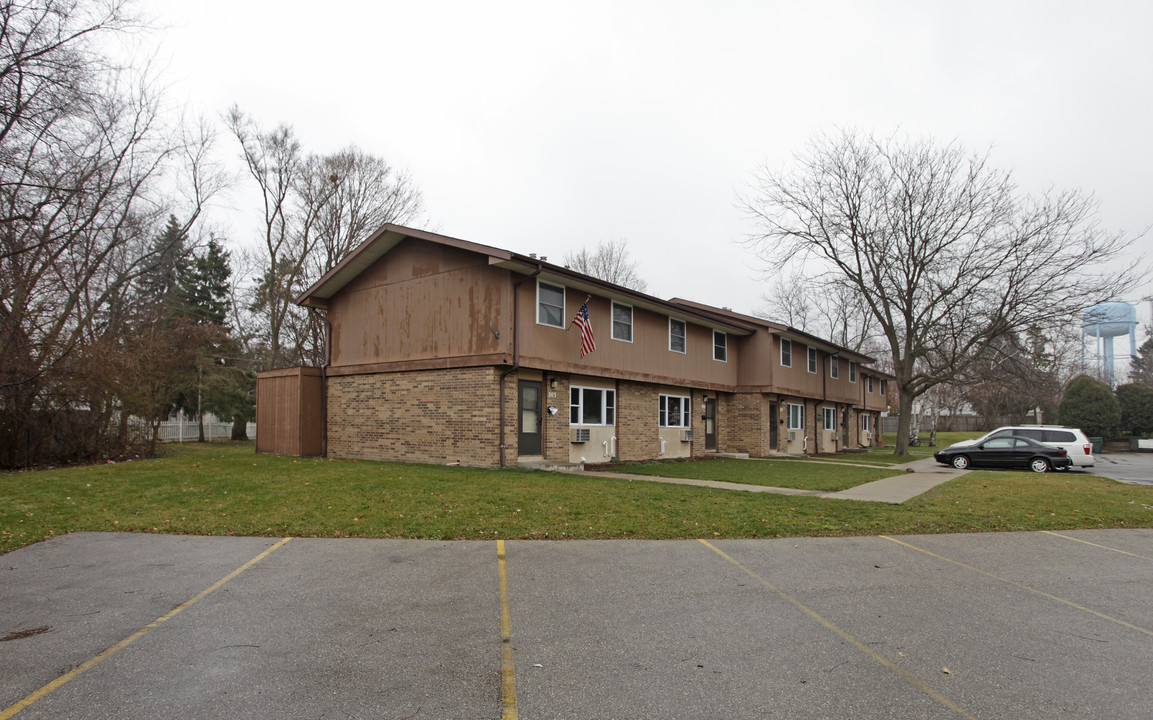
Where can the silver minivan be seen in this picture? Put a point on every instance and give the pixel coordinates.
(1069, 439)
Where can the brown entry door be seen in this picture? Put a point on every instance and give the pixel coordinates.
(530, 418)
(711, 424)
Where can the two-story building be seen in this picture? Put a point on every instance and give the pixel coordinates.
(442, 350)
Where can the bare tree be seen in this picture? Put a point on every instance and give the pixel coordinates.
(609, 262)
(945, 252)
(826, 306)
(82, 155)
(315, 210)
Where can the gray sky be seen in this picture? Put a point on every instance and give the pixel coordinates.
(544, 127)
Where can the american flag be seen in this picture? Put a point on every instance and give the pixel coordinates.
(588, 342)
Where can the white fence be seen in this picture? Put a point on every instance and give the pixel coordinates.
(189, 431)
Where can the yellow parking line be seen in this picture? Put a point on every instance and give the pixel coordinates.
(12, 710)
(844, 635)
(1103, 547)
(1022, 586)
(507, 666)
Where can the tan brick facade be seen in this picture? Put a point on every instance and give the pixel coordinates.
(445, 416)
(429, 416)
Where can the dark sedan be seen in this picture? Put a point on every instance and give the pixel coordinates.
(1007, 452)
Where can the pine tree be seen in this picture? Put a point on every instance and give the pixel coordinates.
(1141, 364)
(158, 285)
(203, 285)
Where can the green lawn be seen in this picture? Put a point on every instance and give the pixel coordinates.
(226, 489)
(775, 473)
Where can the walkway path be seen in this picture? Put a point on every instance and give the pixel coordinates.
(919, 477)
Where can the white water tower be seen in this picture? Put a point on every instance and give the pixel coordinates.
(1104, 322)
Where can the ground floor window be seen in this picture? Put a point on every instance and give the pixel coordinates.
(674, 411)
(830, 418)
(866, 421)
(796, 416)
(592, 406)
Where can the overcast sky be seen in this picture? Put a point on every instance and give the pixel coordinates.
(544, 127)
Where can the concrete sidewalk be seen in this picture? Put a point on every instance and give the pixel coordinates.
(918, 477)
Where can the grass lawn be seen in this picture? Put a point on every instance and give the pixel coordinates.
(226, 489)
(775, 473)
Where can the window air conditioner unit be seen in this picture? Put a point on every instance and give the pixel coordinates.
(687, 436)
(836, 437)
(792, 435)
(580, 435)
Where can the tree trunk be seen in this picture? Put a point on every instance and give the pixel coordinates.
(904, 421)
(239, 428)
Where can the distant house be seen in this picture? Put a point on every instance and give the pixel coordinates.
(442, 350)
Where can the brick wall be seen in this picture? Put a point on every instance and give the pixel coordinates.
(637, 431)
(430, 416)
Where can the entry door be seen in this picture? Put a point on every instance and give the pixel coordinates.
(774, 423)
(530, 418)
(711, 424)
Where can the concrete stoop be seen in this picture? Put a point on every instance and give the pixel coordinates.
(542, 464)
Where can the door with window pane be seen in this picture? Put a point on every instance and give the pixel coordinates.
(774, 422)
(711, 424)
(529, 431)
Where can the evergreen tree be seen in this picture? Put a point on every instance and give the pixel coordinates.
(1141, 364)
(1136, 409)
(159, 283)
(203, 285)
(1090, 405)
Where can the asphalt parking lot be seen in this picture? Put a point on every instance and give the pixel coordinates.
(1131, 467)
(1022, 625)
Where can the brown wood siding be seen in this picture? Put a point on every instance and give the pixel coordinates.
(289, 418)
(420, 302)
(646, 357)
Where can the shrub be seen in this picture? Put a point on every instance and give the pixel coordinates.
(1136, 402)
(1090, 405)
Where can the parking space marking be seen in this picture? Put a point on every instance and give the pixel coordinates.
(93, 662)
(844, 635)
(1103, 547)
(507, 666)
(1022, 586)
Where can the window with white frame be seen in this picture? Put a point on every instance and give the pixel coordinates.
(829, 418)
(852, 371)
(622, 322)
(720, 346)
(592, 406)
(786, 352)
(550, 304)
(674, 411)
(812, 360)
(834, 367)
(866, 421)
(796, 416)
(676, 335)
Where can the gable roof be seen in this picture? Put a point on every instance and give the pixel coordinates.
(784, 331)
(389, 236)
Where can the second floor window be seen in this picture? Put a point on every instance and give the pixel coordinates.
(550, 305)
(852, 371)
(834, 367)
(676, 335)
(720, 346)
(812, 360)
(786, 352)
(622, 322)
(870, 383)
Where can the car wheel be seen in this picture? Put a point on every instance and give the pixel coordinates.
(1039, 465)
(961, 462)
